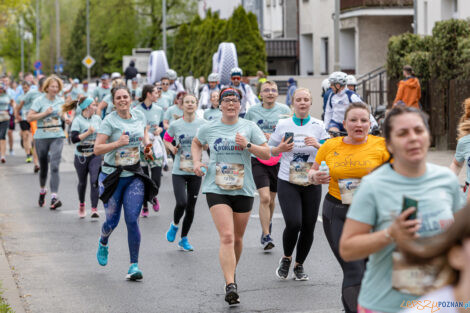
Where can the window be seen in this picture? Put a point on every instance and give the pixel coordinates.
(324, 56)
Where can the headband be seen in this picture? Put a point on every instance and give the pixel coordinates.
(229, 92)
(86, 103)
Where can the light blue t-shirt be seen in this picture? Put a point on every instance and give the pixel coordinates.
(5, 101)
(28, 99)
(110, 105)
(212, 114)
(379, 200)
(267, 119)
(183, 134)
(462, 153)
(51, 125)
(166, 99)
(229, 171)
(101, 92)
(113, 126)
(153, 115)
(76, 91)
(172, 114)
(136, 94)
(81, 125)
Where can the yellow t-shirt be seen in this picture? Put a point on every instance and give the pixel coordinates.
(351, 161)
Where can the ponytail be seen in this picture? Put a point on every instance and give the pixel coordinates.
(72, 104)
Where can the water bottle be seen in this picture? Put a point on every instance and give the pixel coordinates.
(324, 168)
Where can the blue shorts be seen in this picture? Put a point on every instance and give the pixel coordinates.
(337, 125)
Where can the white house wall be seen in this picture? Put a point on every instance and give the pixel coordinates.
(438, 10)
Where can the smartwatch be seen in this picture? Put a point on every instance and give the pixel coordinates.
(248, 145)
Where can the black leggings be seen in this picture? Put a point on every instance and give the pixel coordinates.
(299, 205)
(186, 189)
(155, 174)
(334, 216)
(84, 166)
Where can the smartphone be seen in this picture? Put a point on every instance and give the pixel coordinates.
(288, 136)
(408, 203)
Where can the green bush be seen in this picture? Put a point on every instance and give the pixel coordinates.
(419, 60)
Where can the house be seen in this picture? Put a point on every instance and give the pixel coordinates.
(431, 11)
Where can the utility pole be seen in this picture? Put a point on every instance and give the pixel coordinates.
(37, 30)
(57, 25)
(337, 66)
(22, 44)
(88, 36)
(164, 24)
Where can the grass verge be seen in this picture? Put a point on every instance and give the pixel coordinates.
(4, 307)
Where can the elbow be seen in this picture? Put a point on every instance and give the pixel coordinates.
(345, 252)
(97, 150)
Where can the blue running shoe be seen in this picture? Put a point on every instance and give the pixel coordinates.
(102, 254)
(267, 242)
(185, 245)
(171, 233)
(134, 273)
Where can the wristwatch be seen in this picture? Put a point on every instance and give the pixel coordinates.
(248, 145)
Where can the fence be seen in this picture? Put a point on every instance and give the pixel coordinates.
(442, 101)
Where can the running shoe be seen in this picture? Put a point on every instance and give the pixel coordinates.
(171, 233)
(185, 245)
(36, 169)
(299, 273)
(134, 273)
(29, 159)
(283, 270)
(102, 254)
(94, 213)
(144, 212)
(156, 205)
(41, 200)
(3, 160)
(165, 167)
(81, 210)
(267, 242)
(12, 152)
(231, 294)
(55, 203)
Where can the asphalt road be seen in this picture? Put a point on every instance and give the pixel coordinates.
(53, 257)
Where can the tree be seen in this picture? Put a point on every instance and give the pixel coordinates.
(76, 49)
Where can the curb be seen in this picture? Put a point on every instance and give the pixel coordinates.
(10, 291)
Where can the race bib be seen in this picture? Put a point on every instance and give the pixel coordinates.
(347, 187)
(86, 147)
(298, 173)
(420, 279)
(127, 156)
(51, 124)
(186, 162)
(229, 176)
(4, 116)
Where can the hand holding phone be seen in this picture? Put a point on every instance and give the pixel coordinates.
(288, 137)
(409, 202)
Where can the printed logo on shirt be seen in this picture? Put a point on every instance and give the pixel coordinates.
(224, 144)
(336, 153)
(300, 157)
(267, 126)
(185, 140)
(349, 162)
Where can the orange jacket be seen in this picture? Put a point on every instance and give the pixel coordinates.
(409, 91)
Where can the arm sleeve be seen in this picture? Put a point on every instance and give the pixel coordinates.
(74, 136)
(105, 128)
(363, 208)
(201, 134)
(460, 152)
(399, 95)
(257, 136)
(276, 137)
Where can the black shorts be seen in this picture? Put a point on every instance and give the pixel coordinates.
(264, 175)
(238, 204)
(24, 125)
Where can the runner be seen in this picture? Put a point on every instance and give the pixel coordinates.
(20, 116)
(5, 102)
(136, 92)
(349, 159)
(382, 212)
(106, 106)
(205, 99)
(121, 181)
(351, 82)
(49, 137)
(83, 133)
(101, 91)
(266, 116)
(298, 139)
(74, 90)
(185, 183)
(153, 114)
(213, 112)
(229, 185)
(248, 97)
(174, 112)
(168, 96)
(175, 85)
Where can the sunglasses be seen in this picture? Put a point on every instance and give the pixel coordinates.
(236, 78)
(165, 84)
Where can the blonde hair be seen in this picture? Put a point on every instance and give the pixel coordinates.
(302, 89)
(49, 81)
(464, 126)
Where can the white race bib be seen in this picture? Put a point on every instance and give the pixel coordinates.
(51, 124)
(186, 161)
(127, 156)
(347, 187)
(229, 176)
(298, 173)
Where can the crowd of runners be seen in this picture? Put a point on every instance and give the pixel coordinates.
(235, 144)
